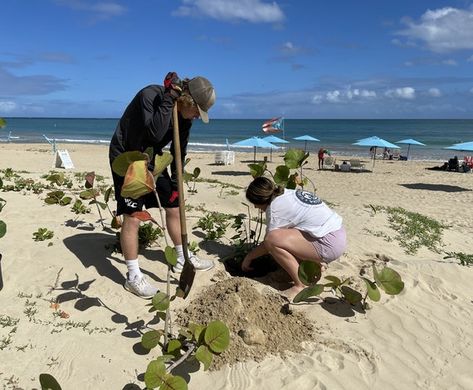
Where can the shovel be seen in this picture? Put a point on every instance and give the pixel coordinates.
(188, 271)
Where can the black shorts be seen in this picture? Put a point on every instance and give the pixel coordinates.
(128, 206)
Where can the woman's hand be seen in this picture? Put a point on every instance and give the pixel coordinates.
(246, 264)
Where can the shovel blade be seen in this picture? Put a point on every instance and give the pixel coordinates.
(186, 280)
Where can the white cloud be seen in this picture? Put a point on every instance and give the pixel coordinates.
(442, 30)
(7, 106)
(101, 9)
(338, 96)
(254, 11)
(401, 93)
(435, 92)
(450, 62)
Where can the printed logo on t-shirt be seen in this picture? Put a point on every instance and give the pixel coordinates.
(307, 197)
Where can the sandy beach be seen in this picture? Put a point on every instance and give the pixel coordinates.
(63, 309)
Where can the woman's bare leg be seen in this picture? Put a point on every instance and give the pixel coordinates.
(288, 247)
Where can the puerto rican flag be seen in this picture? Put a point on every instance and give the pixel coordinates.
(273, 125)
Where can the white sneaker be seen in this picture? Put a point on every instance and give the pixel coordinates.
(199, 264)
(140, 287)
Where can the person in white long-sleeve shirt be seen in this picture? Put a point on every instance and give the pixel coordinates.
(300, 226)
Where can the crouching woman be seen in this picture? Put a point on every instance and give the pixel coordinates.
(299, 227)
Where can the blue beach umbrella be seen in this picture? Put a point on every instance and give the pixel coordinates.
(377, 143)
(306, 138)
(275, 140)
(464, 147)
(256, 142)
(409, 142)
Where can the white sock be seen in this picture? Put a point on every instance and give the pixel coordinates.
(133, 269)
(180, 254)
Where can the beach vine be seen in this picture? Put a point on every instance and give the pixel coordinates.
(310, 273)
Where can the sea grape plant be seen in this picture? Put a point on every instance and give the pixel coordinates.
(310, 273)
(293, 159)
(198, 341)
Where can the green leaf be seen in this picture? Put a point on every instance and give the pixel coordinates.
(174, 347)
(196, 172)
(149, 152)
(122, 162)
(65, 201)
(282, 175)
(48, 382)
(197, 330)
(1, 182)
(309, 272)
(174, 383)
(335, 282)
(151, 339)
(138, 180)
(257, 169)
(373, 291)
(88, 194)
(171, 255)
(308, 292)
(204, 356)
(161, 163)
(352, 296)
(217, 336)
(388, 280)
(107, 194)
(3, 229)
(160, 301)
(3, 123)
(155, 374)
(294, 158)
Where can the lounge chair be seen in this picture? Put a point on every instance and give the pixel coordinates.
(468, 161)
(225, 157)
(329, 162)
(356, 164)
(396, 154)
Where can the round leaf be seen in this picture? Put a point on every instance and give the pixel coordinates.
(308, 292)
(352, 296)
(3, 229)
(373, 291)
(155, 374)
(335, 282)
(160, 301)
(217, 336)
(196, 172)
(388, 280)
(48, 382)
(294, 158)
(151, 339)
(204, 356)
(107, 194)
(174, 383)
(309, 272)
(282, 174)
(121, 163)
(138, 180)
(161, 162)
(171, 255)
(174, 347)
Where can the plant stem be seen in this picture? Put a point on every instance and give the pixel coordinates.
(183, 357)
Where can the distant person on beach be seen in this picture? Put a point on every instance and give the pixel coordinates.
(321, 155)
(299, 227)
(147, 122)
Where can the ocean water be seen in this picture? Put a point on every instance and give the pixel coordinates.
(335, 135)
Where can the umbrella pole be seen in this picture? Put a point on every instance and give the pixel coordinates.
(374, 155)
(305, 147)
(408, 147)
(271, 154)
(254, 154)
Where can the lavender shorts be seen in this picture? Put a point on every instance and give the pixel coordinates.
(331, 246)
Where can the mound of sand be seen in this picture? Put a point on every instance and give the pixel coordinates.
(260, 323)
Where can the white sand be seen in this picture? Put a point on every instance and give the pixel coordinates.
(419, 339)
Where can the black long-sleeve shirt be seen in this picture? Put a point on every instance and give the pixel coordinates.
(147, 122)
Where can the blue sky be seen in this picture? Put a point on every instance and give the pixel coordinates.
(297, 58)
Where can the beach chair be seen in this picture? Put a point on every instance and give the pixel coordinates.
(329, 162)
(225, 157)
(468, 161)
(356, 164)
(396, 154)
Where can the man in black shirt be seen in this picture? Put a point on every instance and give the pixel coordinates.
(147, 122)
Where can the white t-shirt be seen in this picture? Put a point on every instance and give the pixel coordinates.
(304, 211)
